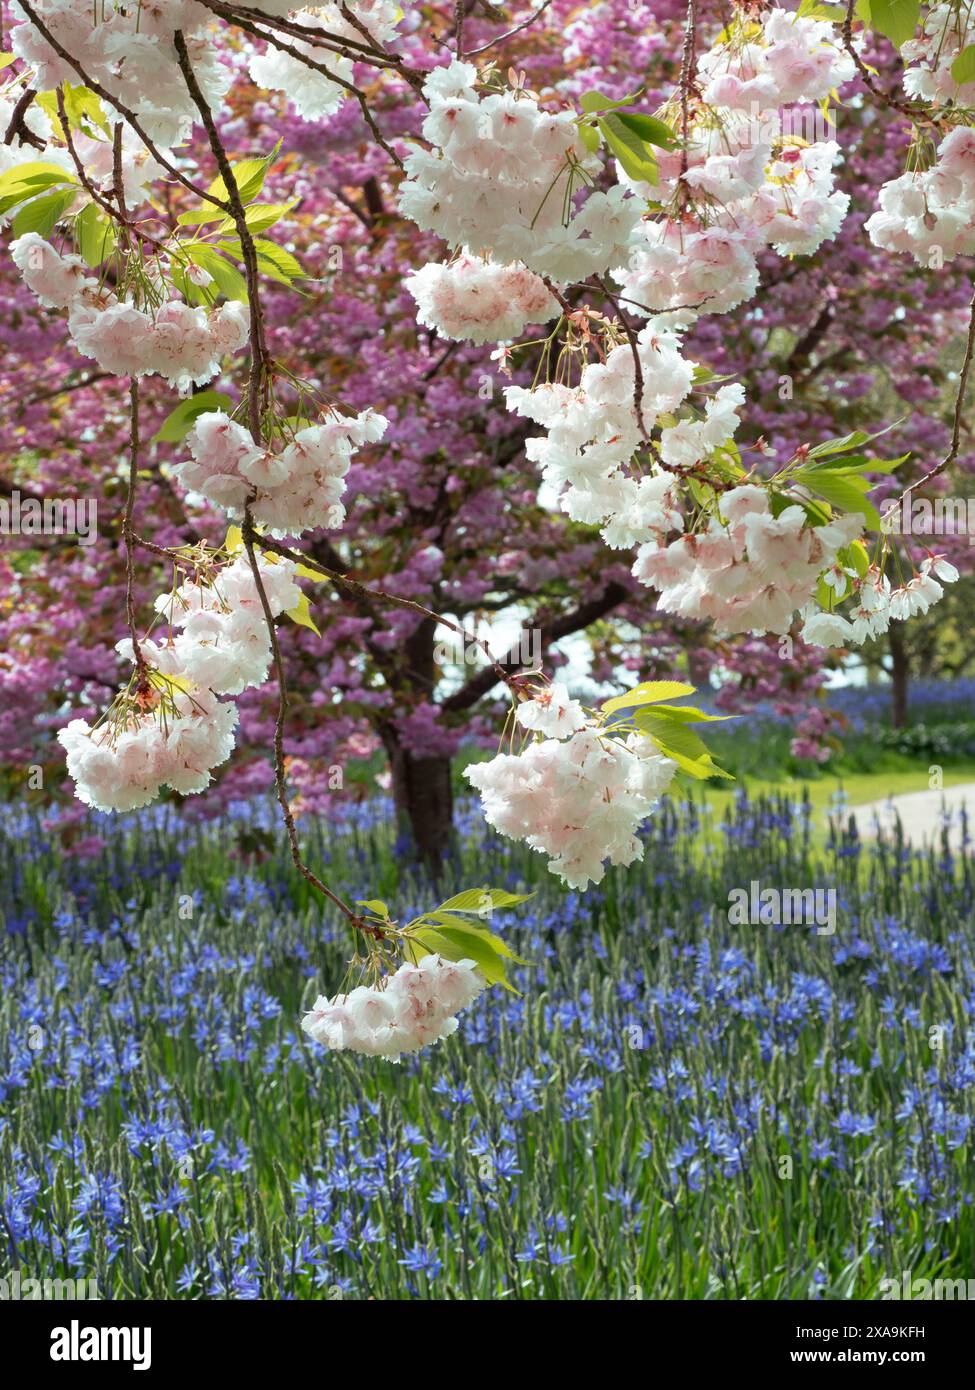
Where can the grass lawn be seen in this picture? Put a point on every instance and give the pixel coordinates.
(896, 777)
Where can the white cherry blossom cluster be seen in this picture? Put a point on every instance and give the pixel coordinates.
(222, 639)
(930, 213)
(296, 490)
(577, 792)
(184, 345)
(501, 177)
(474, 298)
(749, 190)
(311, 91)
(128, 49)
(928, 58)
(174, 730)
(412, 1008)
(793, 59)
(593, 430)
(875, 603)
(122, 768)
(749, 571)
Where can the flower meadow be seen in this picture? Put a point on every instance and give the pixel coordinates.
(672, 1107)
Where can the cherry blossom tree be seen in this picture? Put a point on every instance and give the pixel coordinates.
(265, 255)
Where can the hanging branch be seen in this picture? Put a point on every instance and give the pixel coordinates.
(382, 596)
(316, 66)
(959, 410)
(121, 108)
(18, 127)
(502, 38)
(888, 99)
(256, 394)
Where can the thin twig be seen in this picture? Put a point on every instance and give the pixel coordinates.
(957, 423)
(260, 365)
(473, 52)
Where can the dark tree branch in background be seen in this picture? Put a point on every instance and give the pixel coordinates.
(580, 618)
(526, 23)
(127, 531)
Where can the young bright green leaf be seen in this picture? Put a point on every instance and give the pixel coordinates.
(897, 20)
(647, 693)
(227, 278)
(648, 128)
(590, 137)
(259, 216)
(668, 731)
(94, 235)
(845, 491)
(456, 923)
(632, 152)
(180, 421)
(599, 101)
(376, 906)
(689, 714)
(42, 215)
(478, 899)
(963, 68)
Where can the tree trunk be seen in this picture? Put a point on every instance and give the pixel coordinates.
(898, 676)
(424, 801)
(422, 789)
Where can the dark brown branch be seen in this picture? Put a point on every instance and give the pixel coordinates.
(580, 618)
(260, 365)
(502, 38)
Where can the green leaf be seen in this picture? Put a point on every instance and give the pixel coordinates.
(94, 235)
(842, 491)
(80, 104)
(590, 137)
(454, 944)
(227, 278)
(648, 128)
(180, 421)
(647, 693)
(963, 68)
(478, 900)
(445, 920)
(812, 9)
(856, 557)
(599, 101)
(897, 20)
(667, 731)
(41, 215)
(688, 714)
(272, 260)
(27, 180)
(376, 906)
(259, 216)
(633, 154)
